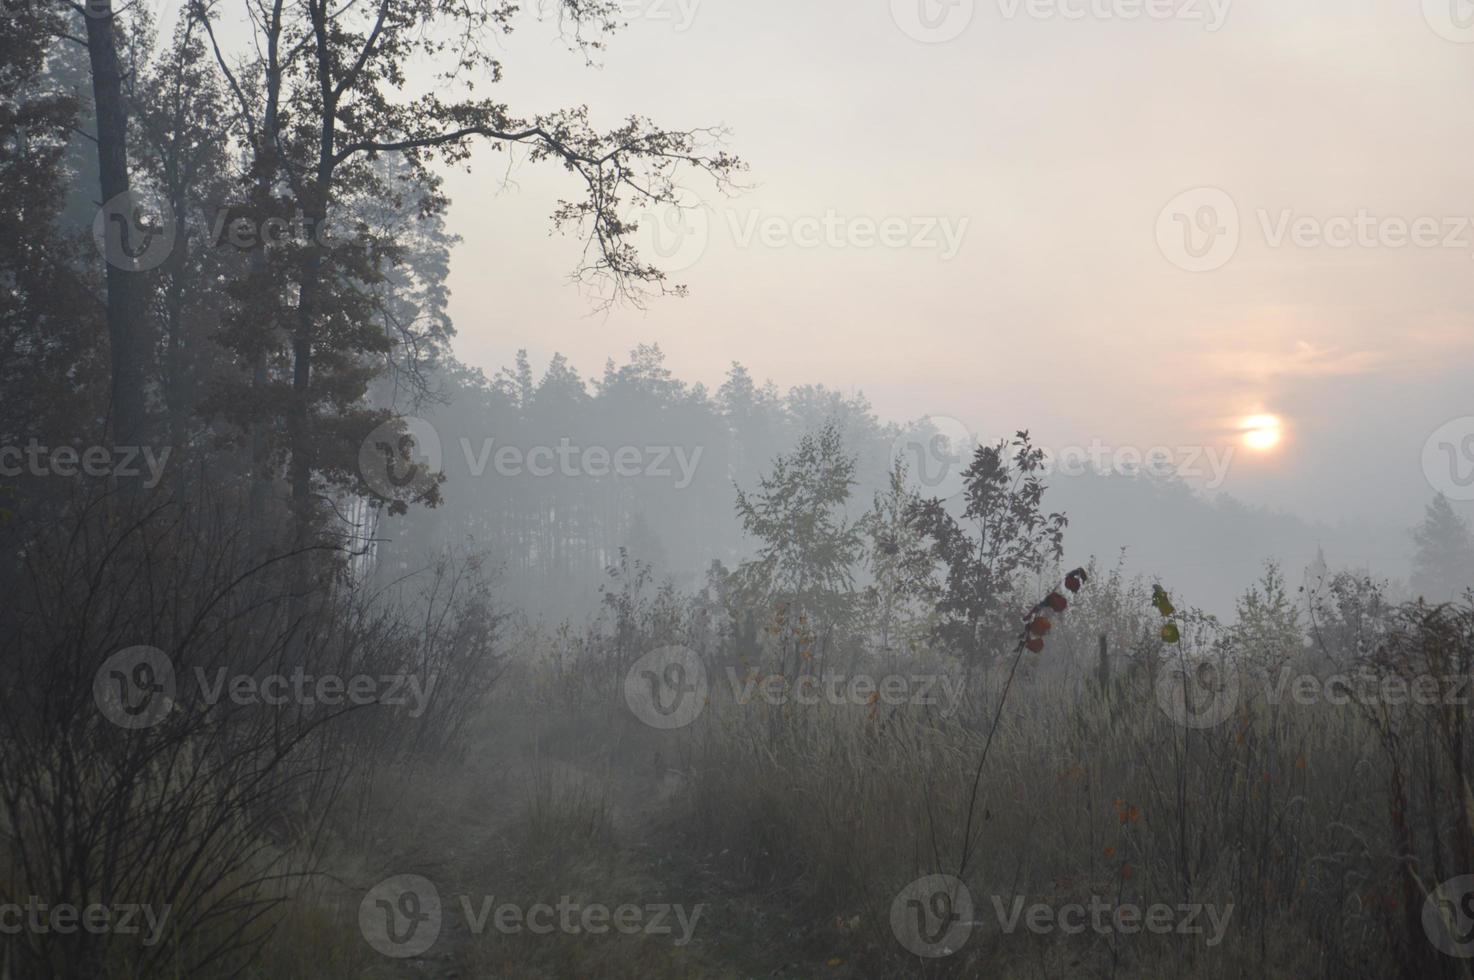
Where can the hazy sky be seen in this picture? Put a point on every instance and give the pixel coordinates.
(1065, 146)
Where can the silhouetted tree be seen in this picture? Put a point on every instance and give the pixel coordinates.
(807, 546)
(1443, 564)
(903, 591)
(1002, 532)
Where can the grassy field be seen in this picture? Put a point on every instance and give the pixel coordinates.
(1110, 839)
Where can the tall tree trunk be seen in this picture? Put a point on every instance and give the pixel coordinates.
(298, 415)
(127, 300)
(314, 205)
(265, 165)
(177, 383)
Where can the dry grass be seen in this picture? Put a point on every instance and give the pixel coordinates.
(795, 826)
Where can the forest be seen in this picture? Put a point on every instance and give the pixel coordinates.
(332, 649)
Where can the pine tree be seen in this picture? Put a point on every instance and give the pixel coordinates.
(1443, 565)
(807, 548)
(1268, 631)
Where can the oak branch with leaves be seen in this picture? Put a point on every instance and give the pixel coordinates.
(327, 91)
(324, 94)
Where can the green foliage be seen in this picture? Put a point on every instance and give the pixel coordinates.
(808, 547)
(900, 600)
(1161, 602)
(1268, 631)
(1003, 533)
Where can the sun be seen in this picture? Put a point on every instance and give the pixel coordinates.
(1261, 432)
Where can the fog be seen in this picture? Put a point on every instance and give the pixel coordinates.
(686, 488)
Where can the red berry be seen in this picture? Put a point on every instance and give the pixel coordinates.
(1072, 582)
(1034, 645)
(1040, 626)
(1056, 602)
